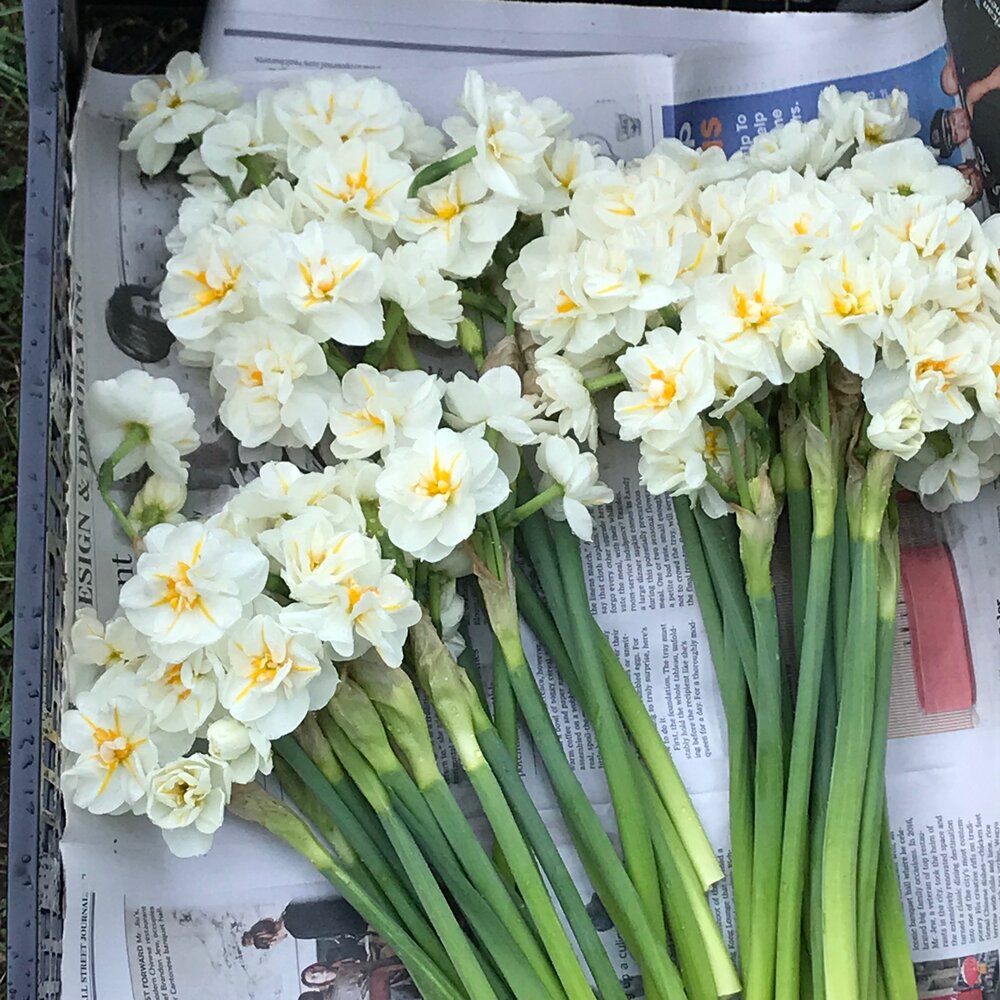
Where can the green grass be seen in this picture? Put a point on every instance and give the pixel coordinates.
(13, 129)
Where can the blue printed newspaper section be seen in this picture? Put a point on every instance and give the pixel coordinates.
(734, 122)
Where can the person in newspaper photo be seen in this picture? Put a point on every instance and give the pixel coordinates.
(352, 962)
(973, 28)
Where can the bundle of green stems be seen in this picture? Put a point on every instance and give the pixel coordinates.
(815, 890)
(502, 916)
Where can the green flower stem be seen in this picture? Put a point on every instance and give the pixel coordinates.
(444, 685)
(400, 354)
(536, 503)
(731, 678)
(722, 556)
(312, 809)
(811, 649)
(843, 975)
(450, 840)
(251, 803)
(504, 704)
(638, 723)
(756, 545)
(500, 958)
(874, 808)
(429, 893)
(488, 304)
(826, 731)
(227, 186)
(394, 322)
(686, 893)
(310, 738)
(599, 382)
(504, 770)
(439, 169)
(603, 865)
(840, 598)
(135, 435)
(637, 846)
(383, 867)
(893, 932)
(800, 529)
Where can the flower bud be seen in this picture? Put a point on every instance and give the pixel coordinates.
(160, 500)
(228, 739)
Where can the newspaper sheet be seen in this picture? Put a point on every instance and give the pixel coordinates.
(251, 920)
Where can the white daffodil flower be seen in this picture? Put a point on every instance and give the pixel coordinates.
(496, 401)
(987, 387)
(844, 296)
(376, 411)
(869, 122)
(800, 348)
(187, 801)
(359, 185)
(457, 222)
(328, 111)
(180, 695)
(510, 136)
(432, 491)
(207, 284)
(280, 491)
(951, 467)
(329, 286)
(244, 749)
(160, 501)
(563, 464)
(100, 650)
(190, 585)
(115, 753)
(897, 428)
(205, 206)
(547, 284)
(315, 552)
(564, 396)
(249, 130)
(606, 202)
(169, 109)
(276, 382)
(266, 210)
(904, 168)
(274, 676)
(344, 592)
(701, 166)
(431, 303)
(936, 228)
(150, 413)
(792, 146)
(674, 463)
(671, 380)
(562, 163)
(742, 313)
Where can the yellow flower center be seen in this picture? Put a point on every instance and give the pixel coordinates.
(322, 281)
(564, 304)
(179, 593)
(945, 368)
(208, 294)
(754, 311)
(113, 748)
(441, 481)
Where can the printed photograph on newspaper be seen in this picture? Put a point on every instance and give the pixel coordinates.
(284, 945)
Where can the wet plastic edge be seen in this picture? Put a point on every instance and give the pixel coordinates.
(30, 655)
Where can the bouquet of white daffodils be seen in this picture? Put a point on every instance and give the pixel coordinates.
(797, 324)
